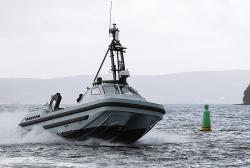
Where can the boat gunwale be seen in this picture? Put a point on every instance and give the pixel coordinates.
(97, 104)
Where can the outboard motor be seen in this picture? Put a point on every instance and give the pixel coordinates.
(55, 101)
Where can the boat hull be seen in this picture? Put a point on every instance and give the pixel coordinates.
(113, 120)
(125, 127)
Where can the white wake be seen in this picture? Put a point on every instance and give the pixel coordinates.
(11, 133)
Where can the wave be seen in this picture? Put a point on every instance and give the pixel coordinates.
(156, 138)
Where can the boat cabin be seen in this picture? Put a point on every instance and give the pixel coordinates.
(110, 90)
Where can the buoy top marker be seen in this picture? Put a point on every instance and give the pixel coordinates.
(206, 106)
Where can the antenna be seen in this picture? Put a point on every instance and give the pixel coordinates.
(116, 51)
(110, 14)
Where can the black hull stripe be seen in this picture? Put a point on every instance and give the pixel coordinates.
(66, 122)
(97, 105)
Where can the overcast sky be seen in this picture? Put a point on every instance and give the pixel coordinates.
(55, 38)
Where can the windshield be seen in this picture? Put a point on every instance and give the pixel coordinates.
(128, 91)
(112, 89)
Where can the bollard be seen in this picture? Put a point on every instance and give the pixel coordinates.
(206, 123)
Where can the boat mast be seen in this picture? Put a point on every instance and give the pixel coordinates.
(116, 47)
(116, 50)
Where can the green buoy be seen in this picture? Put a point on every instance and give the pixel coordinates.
(206, 123)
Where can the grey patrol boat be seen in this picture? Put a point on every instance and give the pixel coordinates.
(110, 109)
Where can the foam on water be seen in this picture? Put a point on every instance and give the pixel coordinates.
(11, 133)
(156, 138)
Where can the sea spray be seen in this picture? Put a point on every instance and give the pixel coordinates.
(156, 138)
(11, 133)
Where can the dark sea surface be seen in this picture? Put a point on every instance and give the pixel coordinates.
(174, 142)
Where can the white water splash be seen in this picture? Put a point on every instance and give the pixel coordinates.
(11, 133)
(155, 137)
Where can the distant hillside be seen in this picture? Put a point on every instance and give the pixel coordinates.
(213, 87)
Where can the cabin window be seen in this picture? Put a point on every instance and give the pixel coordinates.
(95, 91)
(113, 89)
(128, 91)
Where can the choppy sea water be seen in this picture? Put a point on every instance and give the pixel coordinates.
(174, 142)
